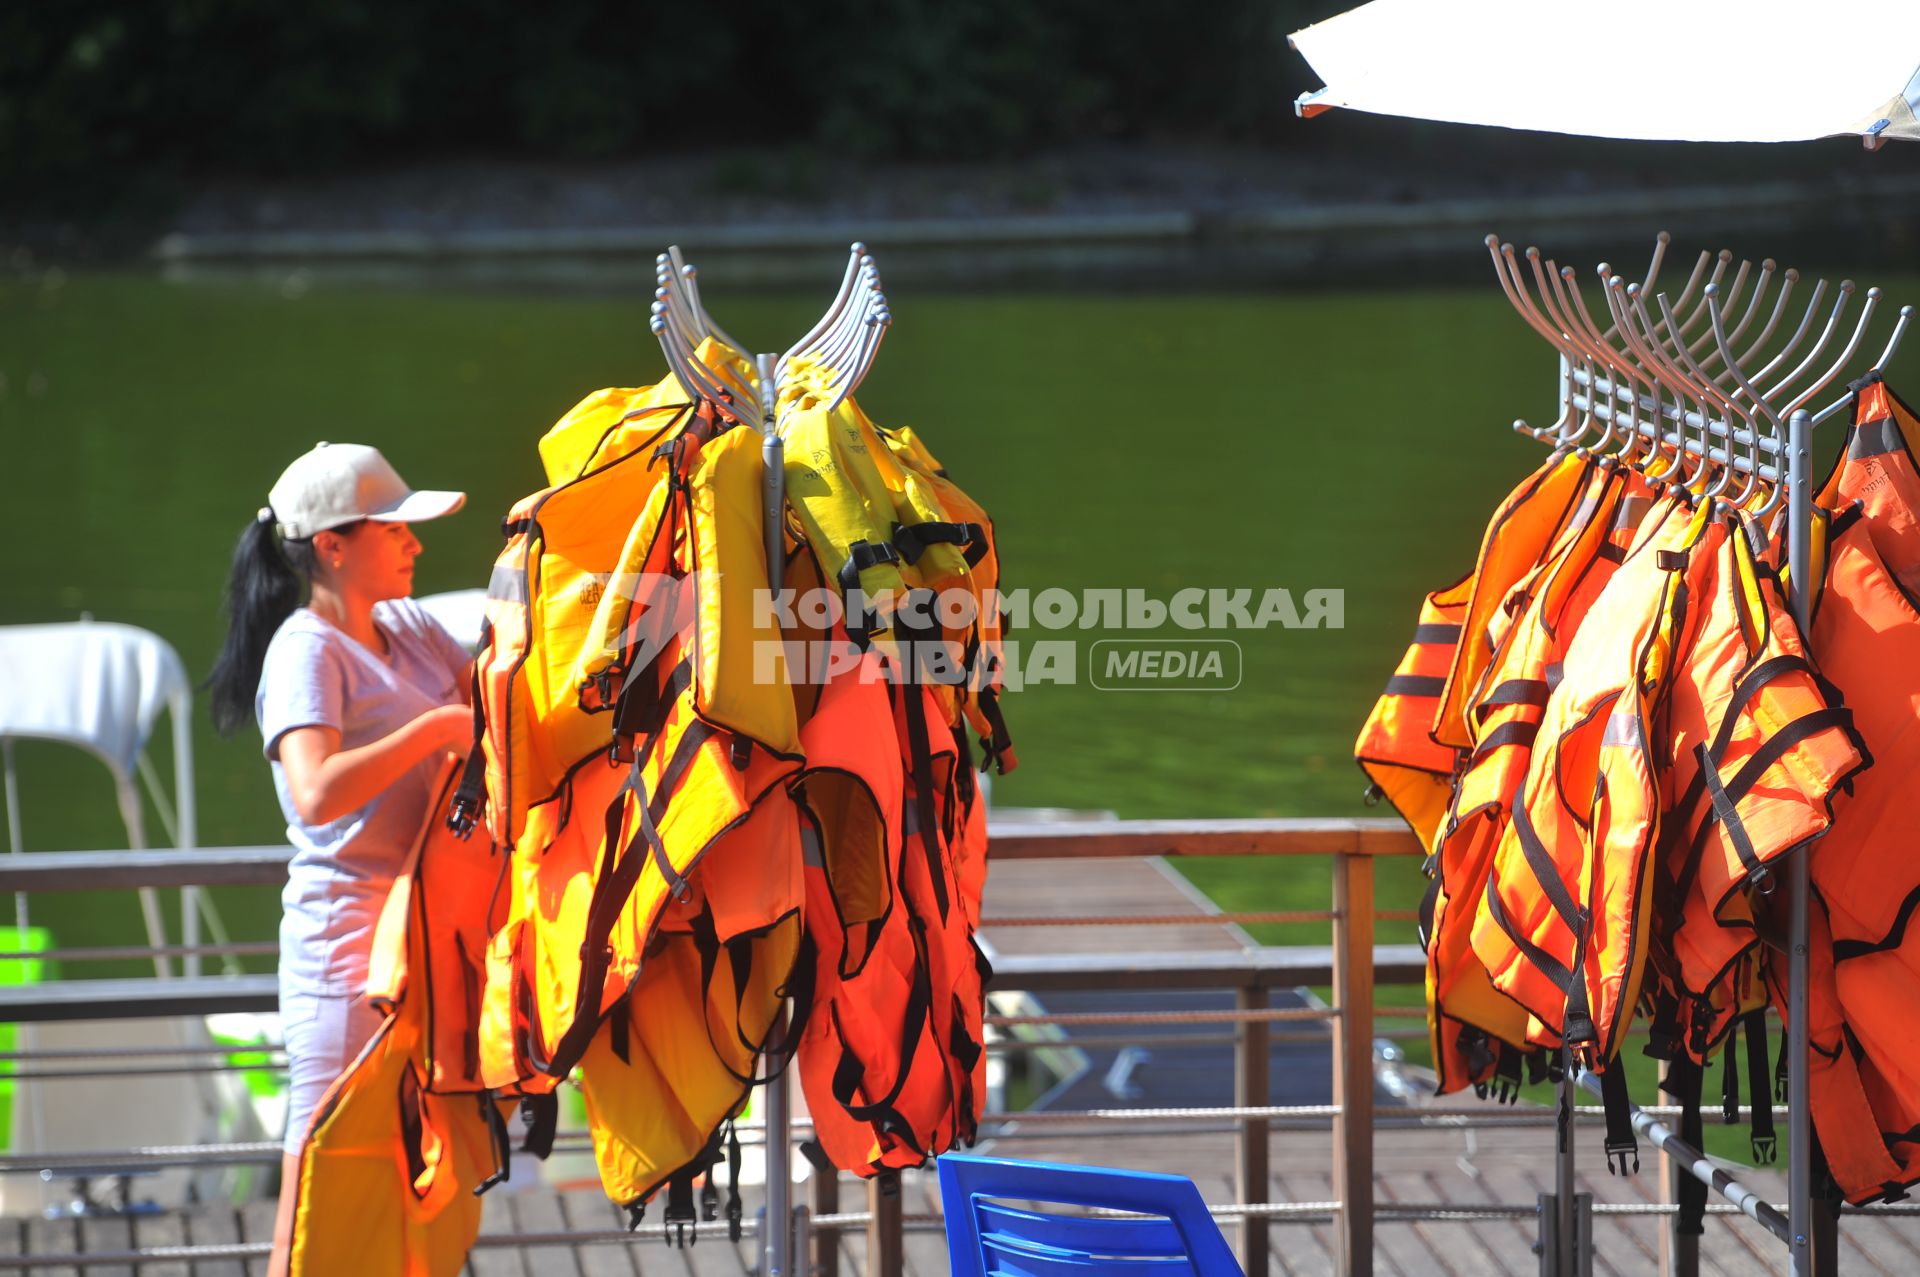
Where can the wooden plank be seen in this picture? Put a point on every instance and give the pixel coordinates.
(215, 1226)
(537, 1210)
(1878, 1245)
(588, 1208)
(54, 1237)
(1094, 839)
(1304, 1249)
(1508, 1242)
(169, 1229)
(1456, 1246)
(1624, 1243)
(256, 1225)
(884, 1236)
(496, 1219)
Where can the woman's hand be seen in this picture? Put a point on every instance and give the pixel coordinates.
(326, 782)
(450, 727)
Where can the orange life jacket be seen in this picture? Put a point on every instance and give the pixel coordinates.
(1866, 877)
(1475, 1026)
(1690, 643)
(403, 1141)
(891, 1062)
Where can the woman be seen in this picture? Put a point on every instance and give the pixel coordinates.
(359, 695)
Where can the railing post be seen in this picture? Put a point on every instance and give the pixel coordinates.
(885, 1255)
(1353, 1059)
(826, 1241)
(1251, 1089)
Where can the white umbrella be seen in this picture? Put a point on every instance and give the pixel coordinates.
(1655, 70)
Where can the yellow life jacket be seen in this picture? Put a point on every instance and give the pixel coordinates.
(675, 1058)
(702, 732)
(563, 543)
(608, 424)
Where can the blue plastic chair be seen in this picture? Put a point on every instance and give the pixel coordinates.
(987, 1236)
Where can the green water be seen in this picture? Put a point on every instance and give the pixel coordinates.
(1350, 442)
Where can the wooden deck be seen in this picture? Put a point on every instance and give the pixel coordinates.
(1462, 1169)
(1501, 1166)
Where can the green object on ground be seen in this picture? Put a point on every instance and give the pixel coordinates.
(13, 973)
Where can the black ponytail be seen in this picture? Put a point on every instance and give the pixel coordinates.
(263, 588)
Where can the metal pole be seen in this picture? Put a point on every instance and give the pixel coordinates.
(1566, 1247)
(777, 1245)
(1353, 1059)
(1695, 1163)
(1252, 1067)
(1799, 882)
(15, 844)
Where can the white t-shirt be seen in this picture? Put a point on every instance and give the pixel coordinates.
(315, 675)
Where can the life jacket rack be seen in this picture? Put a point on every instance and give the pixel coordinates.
(1680, 383)
(845, 340)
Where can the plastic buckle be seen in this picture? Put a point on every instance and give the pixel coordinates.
(462, 816)
(1765, 1148)
(1623, 1149)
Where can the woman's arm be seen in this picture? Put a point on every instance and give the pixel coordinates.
(326, 782)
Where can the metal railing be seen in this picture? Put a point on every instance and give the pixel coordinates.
(1351, 965)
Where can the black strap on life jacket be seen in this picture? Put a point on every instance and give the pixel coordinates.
(733, 1183)
(918, 636)
(998, 746)
(413, 1129)
(1780, 1079)
(862, 555)
(541, 1113)
(620, 1030)
(680, 1212)
(1621, 1143)
(1429, 905)
(883, 1114)
(1730, 1083)
(1474, 1044)
(1506, 1072)
(1765, 1145)
(1663, 1026)
(1548, 965)
(913, 539)
(463, 813)
(1683, 1082)
(1537, 1069)
(620, 869)
(501, 1141)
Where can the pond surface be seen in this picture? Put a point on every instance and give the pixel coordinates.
(1296, 441)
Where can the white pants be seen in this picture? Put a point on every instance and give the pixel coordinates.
(324, 1034)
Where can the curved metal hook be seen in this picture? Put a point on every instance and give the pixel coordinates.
(1846, 355)
(1826, 335)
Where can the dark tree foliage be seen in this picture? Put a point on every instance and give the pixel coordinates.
(99, 97)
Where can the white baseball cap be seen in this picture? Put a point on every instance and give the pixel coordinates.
(340, 483)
